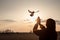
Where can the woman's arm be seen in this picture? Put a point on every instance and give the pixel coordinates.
(35, 30)
(35, 27)
(42, 26)
(39, 22)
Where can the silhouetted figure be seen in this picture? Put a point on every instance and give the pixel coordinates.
(32, 12)
(48, 33)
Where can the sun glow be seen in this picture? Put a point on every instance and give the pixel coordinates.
(33, 19)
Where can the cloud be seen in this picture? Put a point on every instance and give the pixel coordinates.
(7, 20)
(43, 20)
(58, 22)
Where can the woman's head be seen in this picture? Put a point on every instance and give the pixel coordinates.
(50, 23)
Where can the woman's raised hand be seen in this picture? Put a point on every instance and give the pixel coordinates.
(38, 20)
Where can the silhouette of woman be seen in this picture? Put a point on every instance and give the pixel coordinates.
(48, 33)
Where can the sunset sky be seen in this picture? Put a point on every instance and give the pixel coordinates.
(14, 14)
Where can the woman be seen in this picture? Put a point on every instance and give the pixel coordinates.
(48, 33)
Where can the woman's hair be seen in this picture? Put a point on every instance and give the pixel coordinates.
(50, 23)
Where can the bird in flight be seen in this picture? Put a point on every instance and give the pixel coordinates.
(32, 12)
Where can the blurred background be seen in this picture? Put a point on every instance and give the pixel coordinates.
(14, 14)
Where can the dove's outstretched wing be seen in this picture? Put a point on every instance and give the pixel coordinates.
(37, 11)
(29, 11)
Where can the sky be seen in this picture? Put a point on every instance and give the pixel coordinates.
(15, 16)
